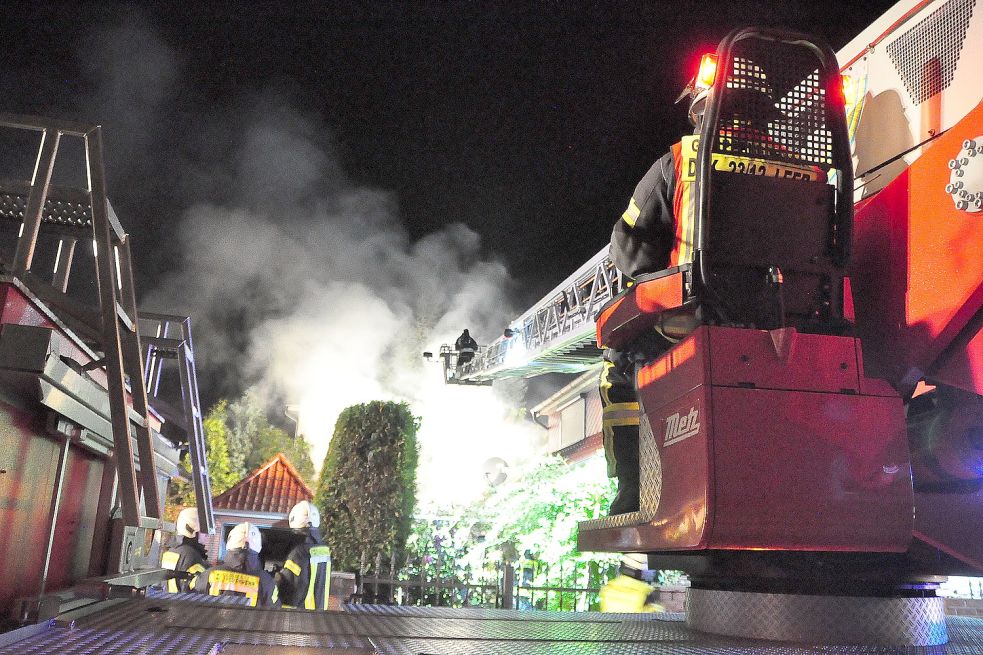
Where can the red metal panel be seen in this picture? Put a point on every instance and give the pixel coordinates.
(810, 471)
(783, 359)
(680, 370)
(76, 520)
(682, 433)
(31, 462)
(917, 274)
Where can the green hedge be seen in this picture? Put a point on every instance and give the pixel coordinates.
(367, 489)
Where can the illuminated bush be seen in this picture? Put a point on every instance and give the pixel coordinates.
(367, 488)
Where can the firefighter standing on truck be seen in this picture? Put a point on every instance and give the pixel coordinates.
(242, 573)
(305, 579)
(189, 556)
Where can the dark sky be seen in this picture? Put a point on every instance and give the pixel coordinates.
(281, 163)
(529, 122)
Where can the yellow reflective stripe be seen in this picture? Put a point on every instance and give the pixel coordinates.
(616, 422)
(620, 407)
(605, 385)
(320, 556)
(276, 594)
(243, 583)
(686, 215)
(195, 569)
(631, 214)
(292, 566)
(169, 561)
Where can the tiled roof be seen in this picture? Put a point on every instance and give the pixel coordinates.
(274, 487)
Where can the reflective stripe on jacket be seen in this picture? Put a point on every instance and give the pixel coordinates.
(188, 556)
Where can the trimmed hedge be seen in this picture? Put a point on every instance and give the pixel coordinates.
(367, 489)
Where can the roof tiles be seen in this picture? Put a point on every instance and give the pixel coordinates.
(274, 487)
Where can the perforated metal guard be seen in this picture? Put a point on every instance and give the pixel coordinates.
(166, 627)
(67, 216)
(650, 485)
(926, 55)
(774, 107)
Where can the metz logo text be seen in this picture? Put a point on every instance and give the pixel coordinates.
(681, 426)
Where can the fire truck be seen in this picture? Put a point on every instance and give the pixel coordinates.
(810, 431)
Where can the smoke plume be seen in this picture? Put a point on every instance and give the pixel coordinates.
(300, 283)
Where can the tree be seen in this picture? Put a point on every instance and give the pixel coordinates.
(181, 491)
(270, 440)
(367, 489)
(244, 418)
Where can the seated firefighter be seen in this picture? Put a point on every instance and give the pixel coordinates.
(305, 579)
(655, 233)
(242, 573)
(466, 347)
(189, 556)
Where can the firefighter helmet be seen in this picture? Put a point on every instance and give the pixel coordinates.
(304, 514)
(187, 523)
(245, 535)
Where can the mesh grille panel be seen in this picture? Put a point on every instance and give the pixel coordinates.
(60, 213)
(926, 55)
(774, 107)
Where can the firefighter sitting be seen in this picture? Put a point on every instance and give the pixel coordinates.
(188, 556)
(305, 579)
(242, 573)
(656, 232)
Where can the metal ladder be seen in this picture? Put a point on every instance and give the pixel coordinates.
(74, 214)
(168, 337)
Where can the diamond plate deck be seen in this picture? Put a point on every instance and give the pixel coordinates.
(166, 626)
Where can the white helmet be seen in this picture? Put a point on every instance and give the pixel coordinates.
(243, 535)
(187, 523)
(304, 514)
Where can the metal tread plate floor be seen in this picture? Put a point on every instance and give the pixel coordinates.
(166, 626)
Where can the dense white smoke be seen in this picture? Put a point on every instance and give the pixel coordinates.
(306, 286)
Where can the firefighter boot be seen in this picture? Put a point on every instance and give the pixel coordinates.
(625, 444)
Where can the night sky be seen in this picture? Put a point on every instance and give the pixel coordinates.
(529, 123)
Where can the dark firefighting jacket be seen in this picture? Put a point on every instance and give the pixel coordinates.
(242, 574)
(305, 579)
(644, 236)
(188, 556)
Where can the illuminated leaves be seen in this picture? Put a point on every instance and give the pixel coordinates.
(367, 488)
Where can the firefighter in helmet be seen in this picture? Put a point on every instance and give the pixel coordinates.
(305, 579)
(654, 233)
(189, 556)
(242, 573)
(466, 347)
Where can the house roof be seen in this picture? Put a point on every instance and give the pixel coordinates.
(273, 487)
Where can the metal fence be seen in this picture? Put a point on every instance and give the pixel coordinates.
(436, 581)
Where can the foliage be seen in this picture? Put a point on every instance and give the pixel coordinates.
(244, 419)
(367, 488)
(238, 439)
(270, 440)
(529, 521)
(181, 491)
